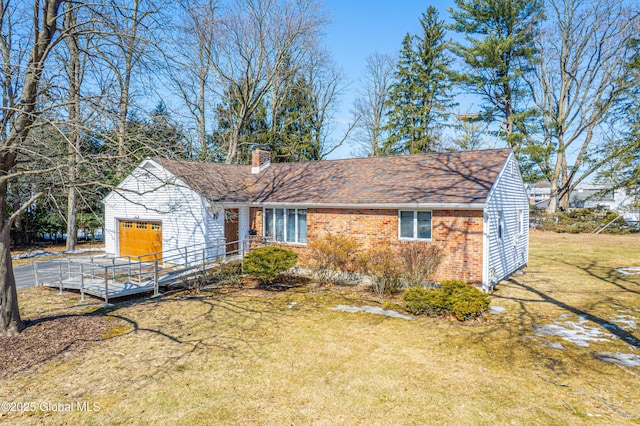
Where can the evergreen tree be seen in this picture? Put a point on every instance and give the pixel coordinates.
(293, 137)
(164, 135)
(420, 97)
(288, 127)
(253, 131)
(498, 51)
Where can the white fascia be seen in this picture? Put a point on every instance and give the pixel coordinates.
(381, 206)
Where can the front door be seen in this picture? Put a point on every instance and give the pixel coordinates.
(231, 230)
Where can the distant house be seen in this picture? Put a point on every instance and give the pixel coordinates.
(588, 195)
(471, 204)
(538, 193)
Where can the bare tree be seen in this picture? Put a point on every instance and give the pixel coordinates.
(581, 75)
(324, 89)
(370, 107)
(125, 46)
(42, 122)
(191, 62)
(255, 39)
(18, 113)
(74, 73)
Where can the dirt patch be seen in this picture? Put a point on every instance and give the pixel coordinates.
(48, 338)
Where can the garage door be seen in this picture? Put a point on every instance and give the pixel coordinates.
(141, 238)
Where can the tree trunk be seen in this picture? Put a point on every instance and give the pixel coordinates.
(563, 183)
(73, 148)
(125, 83)
(554, 185)
(202, 124)
(18, 226)
(72, 224)
(234, 138)
(25, 114)
(10, 322)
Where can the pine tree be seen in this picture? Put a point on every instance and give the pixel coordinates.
(498, 52)
(420, 97)
(292, 137)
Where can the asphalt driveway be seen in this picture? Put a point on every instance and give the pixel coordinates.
(25, 276)
(48, 271)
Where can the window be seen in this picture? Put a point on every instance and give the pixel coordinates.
(415, 225)
(141, 225)
(500, 225)
(156, 227)
(279, 224)
(520, 221)
(268, 223)
(286, 225)
(127, 224)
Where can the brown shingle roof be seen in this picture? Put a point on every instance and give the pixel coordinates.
(456, 177)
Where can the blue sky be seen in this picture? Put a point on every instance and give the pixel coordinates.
(359, 28)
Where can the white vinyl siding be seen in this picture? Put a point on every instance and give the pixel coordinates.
(286, 225)
(414, 225)
(508, 236)
(148, 194)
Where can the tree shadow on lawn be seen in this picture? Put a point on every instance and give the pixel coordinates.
(603, 273)
(608, 326)
(49, 337)
(284, 283)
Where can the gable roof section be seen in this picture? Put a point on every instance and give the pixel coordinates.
(464, 177)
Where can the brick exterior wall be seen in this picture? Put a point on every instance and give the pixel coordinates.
(457, 232)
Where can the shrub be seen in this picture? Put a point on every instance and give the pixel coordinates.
(582, 220)
(466, 301)
(267, 263)
(331, 254)
(429, 302)
(383, 265)
(467, 310)
(420, 263)
(453, 297)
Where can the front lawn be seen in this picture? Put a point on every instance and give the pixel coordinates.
(261, 356)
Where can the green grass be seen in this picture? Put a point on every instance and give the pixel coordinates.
(251, 357)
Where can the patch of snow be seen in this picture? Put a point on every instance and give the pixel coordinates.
(577, 333)
(626, 321)
(631, 270)
(495, 310)
(44, 253)
(79, 251)
(372, 310)
(554, 345)
(292, 305)
(625, 360)
(34, 253)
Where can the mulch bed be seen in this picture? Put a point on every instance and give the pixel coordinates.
(48, 338)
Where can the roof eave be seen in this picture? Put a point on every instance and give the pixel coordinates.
(380, 206)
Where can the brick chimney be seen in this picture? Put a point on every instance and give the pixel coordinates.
(260, 160)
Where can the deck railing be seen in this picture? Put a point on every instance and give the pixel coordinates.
(125, 275)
